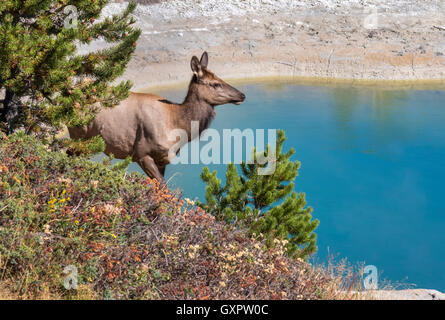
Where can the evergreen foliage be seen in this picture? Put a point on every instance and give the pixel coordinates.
(265, 204)
(45, 82)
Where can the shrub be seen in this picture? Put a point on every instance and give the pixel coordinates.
(128, 237)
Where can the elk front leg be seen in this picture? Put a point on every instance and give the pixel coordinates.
(150, 168)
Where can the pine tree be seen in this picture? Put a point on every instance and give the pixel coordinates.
(45, 82)
(265, 204)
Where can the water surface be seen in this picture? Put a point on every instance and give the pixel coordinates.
(373, 169)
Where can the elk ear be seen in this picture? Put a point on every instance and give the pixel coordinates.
(196, 67)
(204, 60)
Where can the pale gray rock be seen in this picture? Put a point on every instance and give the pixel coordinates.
(410, 294)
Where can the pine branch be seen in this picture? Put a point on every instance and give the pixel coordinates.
(38, 59)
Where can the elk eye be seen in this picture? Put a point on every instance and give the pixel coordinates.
(216, 85)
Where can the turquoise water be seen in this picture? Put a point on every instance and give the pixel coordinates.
(373, 169)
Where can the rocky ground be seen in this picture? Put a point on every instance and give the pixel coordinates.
(410, 294)
(352, 39)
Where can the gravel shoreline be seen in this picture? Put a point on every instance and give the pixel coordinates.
(318, 39)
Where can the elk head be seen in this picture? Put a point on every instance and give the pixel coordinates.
(210, 88)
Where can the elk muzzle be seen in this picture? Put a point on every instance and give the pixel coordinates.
(240, 99)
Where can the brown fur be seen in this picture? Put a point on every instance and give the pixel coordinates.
(139, 126)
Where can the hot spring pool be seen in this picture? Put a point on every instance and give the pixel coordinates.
(373, 169)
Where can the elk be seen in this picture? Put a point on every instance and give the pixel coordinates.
(139, 126)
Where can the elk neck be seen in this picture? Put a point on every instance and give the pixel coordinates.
(195, 108)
